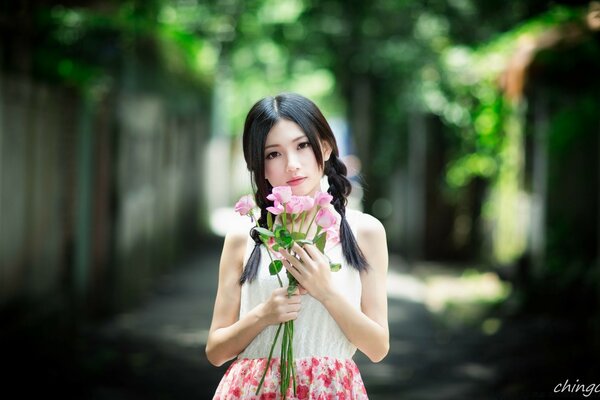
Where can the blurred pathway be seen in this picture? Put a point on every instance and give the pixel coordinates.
(157, 350)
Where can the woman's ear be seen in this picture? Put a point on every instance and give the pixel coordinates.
(326, 150)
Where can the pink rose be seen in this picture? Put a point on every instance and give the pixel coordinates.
(307, 202)
(282, 194)
(276, 209)
(325, 218)
(333, 235)
(294, 206)
(245, 205)
(322, 199)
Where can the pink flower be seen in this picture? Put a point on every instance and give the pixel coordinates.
(346, 383)
(245, 205)
(276, 209)
(325, 218)
(322, 199)
(307, 202)
(302, 392)
(326, 380)
(282, 194)
(294, 206)
(333, 235)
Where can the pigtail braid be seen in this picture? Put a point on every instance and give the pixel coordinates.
(251, 267)
(340, 188)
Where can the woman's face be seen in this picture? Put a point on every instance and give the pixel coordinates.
(290, 160)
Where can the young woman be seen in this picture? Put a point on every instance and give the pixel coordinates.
(288, 142)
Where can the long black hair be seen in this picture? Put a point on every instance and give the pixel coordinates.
(302, 111)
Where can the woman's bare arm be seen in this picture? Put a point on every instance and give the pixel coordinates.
(367, 330)
(229, 334)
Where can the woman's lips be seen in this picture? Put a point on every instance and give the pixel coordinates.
(296, 181)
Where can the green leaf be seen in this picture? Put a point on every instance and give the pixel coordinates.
(320, 240)
(292, 285)
(270, 221)
(291, 289)
(275, 267)
(284, 238)
(335, 267)
(265, 232)
(298, 235)
(304, 241)
(291, 279)
(276, 247)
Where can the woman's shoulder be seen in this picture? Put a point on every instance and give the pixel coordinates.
(237, 236)
(365, 225)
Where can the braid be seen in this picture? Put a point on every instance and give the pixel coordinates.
(251, 268)
(340, 188)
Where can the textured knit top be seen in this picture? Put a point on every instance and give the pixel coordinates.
(316, 334)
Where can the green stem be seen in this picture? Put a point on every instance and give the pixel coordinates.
(283, 216)
(283, 362)
(291, 356)
(262, 379)
(312, 220)
(269, 253)
(302, 222)
(253, 218)
(319, 229)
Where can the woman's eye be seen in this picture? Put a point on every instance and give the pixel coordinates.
(272, 155)
(304, 145)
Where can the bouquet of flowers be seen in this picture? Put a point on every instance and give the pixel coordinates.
(276, 236)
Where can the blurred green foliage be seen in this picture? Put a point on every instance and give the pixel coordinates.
(86, 48)
(442, 58)
(469, 99)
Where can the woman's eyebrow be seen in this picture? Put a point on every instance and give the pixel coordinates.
(295, 140)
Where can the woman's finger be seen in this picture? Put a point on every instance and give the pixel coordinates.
(300, 251)
(313, 252)
(291, 264)
(292, 270)
(293, 261)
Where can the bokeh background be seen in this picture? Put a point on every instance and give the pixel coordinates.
(470, 128)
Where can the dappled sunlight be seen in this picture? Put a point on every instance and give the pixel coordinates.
(466, 300)
(187, 338)
(454, 297)
(404, 286)
(476, 371)
(471, 286)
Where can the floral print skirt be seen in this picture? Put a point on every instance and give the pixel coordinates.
(317, 378)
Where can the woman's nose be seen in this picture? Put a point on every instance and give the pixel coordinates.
(292, 163)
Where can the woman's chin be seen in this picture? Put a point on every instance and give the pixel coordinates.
(301, 190)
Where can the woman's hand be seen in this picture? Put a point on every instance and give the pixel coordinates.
(312, 270)
(280, 308)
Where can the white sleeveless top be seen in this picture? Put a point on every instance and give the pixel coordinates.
(316, 334)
